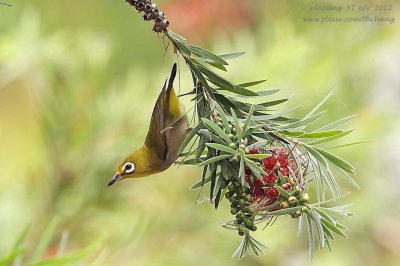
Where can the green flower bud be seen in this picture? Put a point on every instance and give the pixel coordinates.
(231, 187)
(292, 200)
(231, 136)
(232, 145)
(233, 199)
(305, 197)
(253, 228)
(304, 209)
(284, 205)
(234, 211)
(249, 198)
(242, 203)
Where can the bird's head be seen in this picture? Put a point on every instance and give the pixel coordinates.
(125, 170)
(140, 163)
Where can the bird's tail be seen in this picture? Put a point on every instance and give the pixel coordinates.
(172, 106)
(171, 78)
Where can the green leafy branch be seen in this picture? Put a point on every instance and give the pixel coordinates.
(263, 161)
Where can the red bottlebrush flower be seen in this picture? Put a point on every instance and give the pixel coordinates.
(269, 162)
(254, 151)
(270, 177)
(283, 155)
(256, 189)
(284, 171)
(272, 193)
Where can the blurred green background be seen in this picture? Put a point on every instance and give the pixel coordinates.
(78, 80)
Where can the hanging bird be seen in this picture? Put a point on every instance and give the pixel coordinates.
(169, 126)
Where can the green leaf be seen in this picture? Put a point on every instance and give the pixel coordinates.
(223, 117)
(307, 121)
(236, 124)
(337, 123)
(256, 156)
(283, 192)
(257, 171)
(7, 260)
(201, 52)
(284, 211)
(241, 171)
(207, 135)
(333, 228)
(335, 137)
(190, 136)
(247, 122)
(179, 43)
(349, 144)
(273, 103)
(214, 127)
(197, 73)
(220, 67)
(215, 78)
(222, 148)
(257, 94)
(216, 159)
(337, 161)
(349, 179)
(310, 237)
(68, 259)
(201, 183)
(252, 83)
(45, 240)
(319, 105)
(324, 215)
(318, 135)
(231, 55)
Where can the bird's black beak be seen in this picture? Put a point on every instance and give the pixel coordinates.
(114, 179)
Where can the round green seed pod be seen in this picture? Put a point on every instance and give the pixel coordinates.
(304, 209)
(305, 197)
(233, 199)
(241, 233)
(284, 205)
(248, 222)
(253, 228)
(292, 200)
(231, 136)
(249, 209)
(232, 145)
(242, 146)
(242, 203)
(249, 198)
(231, 187)
(234, 211)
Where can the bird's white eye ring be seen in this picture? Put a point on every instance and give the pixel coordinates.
(129, 168)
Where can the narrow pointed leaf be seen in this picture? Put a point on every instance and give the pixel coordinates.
(231, 55)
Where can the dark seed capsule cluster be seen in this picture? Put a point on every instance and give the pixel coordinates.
(151, 12)
(240, 200)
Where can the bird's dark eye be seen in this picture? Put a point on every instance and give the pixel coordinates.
(129, 168)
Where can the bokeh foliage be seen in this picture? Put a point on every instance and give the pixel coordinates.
(76, 93)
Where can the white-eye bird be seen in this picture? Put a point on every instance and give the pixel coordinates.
(169, 127)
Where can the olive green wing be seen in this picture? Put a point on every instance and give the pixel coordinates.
(155, 139)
